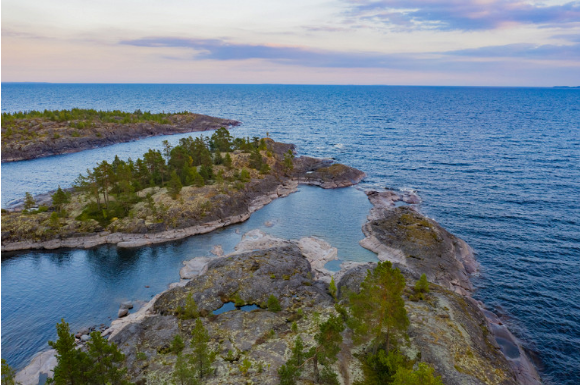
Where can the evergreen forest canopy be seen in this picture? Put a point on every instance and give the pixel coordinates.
(113, 186)
(88, 116)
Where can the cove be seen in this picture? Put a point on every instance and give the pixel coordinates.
(85, 287)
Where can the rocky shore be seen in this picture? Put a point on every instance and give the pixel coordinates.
(224, 210)
(46, 138)
(448, 330)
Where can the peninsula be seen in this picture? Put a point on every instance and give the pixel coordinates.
(193, 188)
(36, 134)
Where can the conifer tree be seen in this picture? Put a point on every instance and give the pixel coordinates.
(195, 178)
(106, 361)
(424, 375)
(292, 369)
(256, 159)
(60, 198)
(218, 159)
(206, 172)
(183, 373)
(53, 220)
(177, 344)
(71, 363)
(288, 161)
(201, 357)
(29, 201)
(332, 287)
(379, 305)
(244, 175)
(228, 161)
(175, 185)
(328, 341)
(265, 168)
(273, 303)
(422, 285)
(8, 374)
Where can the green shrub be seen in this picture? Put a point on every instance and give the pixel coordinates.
(422, 285)
(177, 344)
(273, 303)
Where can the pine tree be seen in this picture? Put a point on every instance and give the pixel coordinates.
(60, 198)
(29, 201)
(54, 222)
(422, 285)
(201, 357)
(256, 159)
(288, 161)
(71, 363)
(206, 172)
(379, 305)
(332, 287)
(292, 369)
(273, 303)
(328, 341)
(8, 374)
(177, 344)
(195, 178)
(189, 311)
(245, 175)
(424, 375)
(265, 168)
(218, 159)
(183, 373)
(228, 161)
(175, 185)
(106, 360)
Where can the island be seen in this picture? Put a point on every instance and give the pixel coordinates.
(36, 134)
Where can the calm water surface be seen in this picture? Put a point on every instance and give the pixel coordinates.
(499, 167)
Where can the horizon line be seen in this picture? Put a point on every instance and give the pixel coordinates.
(291, 84)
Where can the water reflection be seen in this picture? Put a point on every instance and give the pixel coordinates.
(86, 286)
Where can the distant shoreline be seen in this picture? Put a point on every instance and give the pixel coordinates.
(38, 136)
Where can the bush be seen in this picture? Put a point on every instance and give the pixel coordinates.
(190, 310)
(245, 175)
(332, 288)
(422, 285)
(274, 304)
(177, 344)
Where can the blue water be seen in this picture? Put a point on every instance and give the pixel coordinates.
(229, 306)
(500, 167)
(86, 287)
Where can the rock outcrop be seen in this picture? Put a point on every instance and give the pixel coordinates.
(56, 138)
(448, 330)
(464, 342)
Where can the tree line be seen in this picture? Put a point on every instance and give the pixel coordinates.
(90, 115)
(113, 186)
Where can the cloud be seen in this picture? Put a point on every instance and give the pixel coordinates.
(214, 49)
(465, 15)
(568, 37)
(527, 51)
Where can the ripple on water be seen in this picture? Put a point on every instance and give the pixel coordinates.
(498, 167)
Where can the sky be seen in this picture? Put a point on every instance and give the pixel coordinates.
(390, 42)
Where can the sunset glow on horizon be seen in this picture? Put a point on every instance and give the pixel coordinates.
(392, 42)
